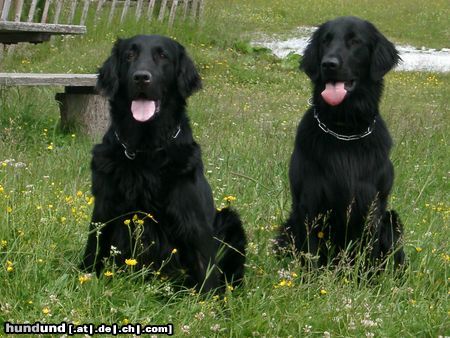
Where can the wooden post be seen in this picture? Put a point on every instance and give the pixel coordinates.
(73, 8)
(139, 9)
(173, 11)
(58, 11)
(45, 12)
(185, 9)
(162, 10)
(151, 6)
(194, 10)
(32, 10)
(98, 10)
(87, 111)
(111, 13)
(19, 6)
(202, 10)
(85, 12)
(5, 11)
(125, 10)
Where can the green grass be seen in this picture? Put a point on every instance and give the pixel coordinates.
(245, 120)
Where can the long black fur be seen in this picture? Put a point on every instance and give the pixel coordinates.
(340, 188)
(165, 179)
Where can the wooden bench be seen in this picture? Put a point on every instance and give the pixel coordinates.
(35, 30)
(14, 32)
(80, 104)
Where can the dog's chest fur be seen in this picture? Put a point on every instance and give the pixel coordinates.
(345, 167)
(137, 184)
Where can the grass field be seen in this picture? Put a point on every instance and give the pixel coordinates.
(245, 120)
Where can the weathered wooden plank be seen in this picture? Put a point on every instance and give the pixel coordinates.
(194, 9)
(35, 79)
(10, 26)
(58, 11)
(139, 9)
(173, 11)
(125, 10)
(73, 8)
(111, 13)
(202, 9)
(85, 12)
(32, 10)
(151, 7)
(185, 9)
(19, 7)
(5, 10)
(162, 10)
(45, 11)
(98, 10)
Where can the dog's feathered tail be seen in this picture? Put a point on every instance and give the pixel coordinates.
(232, 242)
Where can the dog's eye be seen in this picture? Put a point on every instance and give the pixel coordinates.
(162, 55)
(355, 42)
(131, 55)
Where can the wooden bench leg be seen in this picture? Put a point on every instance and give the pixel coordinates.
(87, 113)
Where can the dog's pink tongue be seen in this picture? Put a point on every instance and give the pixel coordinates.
(143, 110)
(334, 94)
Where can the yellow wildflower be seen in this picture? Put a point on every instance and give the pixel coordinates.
(130, 261)
(320, 234)
(45, 310)
(174, 251)
(108, 273)
(152, 218)
(3, 243)
(323, 292)
(50, 146)
(418, 249)
(79, 193)
(84, 278)
(229, 198)
(9, 209)
(127, 222)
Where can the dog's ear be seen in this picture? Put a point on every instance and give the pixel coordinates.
(188, 78)
(310, 62)
(384, 57)
(108, 77)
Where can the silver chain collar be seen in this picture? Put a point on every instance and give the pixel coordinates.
(341, 137)
(131, 155)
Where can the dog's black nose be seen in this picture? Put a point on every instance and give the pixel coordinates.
(142, 77)
(330, 63)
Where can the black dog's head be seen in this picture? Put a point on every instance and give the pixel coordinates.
(144, 71)
(344, 54)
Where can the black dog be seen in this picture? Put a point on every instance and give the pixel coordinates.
(149, 165)
(340, 173)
